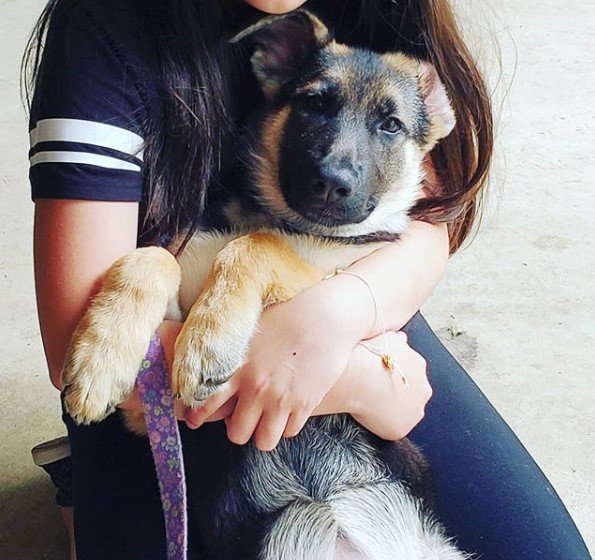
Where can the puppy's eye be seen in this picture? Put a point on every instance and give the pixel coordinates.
(392, 125)
(314, 103)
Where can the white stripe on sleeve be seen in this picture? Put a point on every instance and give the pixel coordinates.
(83, 157)
(87, 132)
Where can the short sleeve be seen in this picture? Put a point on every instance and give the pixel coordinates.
(87, 112)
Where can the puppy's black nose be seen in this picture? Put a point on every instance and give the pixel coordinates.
(332, 187)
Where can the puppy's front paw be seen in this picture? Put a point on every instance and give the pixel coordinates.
(94, 382)
(111, 339)
(207, 354)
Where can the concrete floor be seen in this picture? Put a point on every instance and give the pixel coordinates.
(516, 307)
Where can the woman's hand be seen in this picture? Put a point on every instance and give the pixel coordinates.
(297, 356)
(377, 399)
(385, 403)
(293, 362)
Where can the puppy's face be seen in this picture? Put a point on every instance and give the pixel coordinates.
(340, 149)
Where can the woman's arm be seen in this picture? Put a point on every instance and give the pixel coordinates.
(75, 242)
(403, 274)
(304, 346)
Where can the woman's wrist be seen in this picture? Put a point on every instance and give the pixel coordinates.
(350, 393)
(383, 401)
(341, 307)
(168, 332)
(364, 382)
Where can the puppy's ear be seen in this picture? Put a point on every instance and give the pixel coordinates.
(283, 45)
(438, 107)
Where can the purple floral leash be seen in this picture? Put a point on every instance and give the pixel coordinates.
(166, 446)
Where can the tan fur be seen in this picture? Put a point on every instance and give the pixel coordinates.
(267, 172)
(402, 63)
(320, 30)
(337, 48)
(135, 423)
(111, 339)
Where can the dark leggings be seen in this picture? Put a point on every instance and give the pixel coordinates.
(489, 491)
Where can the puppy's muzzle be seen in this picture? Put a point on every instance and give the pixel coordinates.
(335, 195)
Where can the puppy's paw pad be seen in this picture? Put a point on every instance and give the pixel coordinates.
(207, 390)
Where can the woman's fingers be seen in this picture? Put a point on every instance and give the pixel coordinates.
(180, 410)
(242, 423)
(270, 430)
(224, 411)
(295, 423)
(216, 405)
(391, 405)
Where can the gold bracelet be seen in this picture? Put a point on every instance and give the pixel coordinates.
(388, 359)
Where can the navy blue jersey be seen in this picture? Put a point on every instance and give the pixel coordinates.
(90, 102)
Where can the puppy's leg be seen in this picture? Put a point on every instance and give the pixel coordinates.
(110, 341)
(249, 273)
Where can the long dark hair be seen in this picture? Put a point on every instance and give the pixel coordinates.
(194, 69)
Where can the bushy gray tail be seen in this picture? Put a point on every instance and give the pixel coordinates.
(380, 522)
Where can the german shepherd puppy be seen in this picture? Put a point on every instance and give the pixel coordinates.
(335, 165)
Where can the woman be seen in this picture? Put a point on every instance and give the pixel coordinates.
(118, 76)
